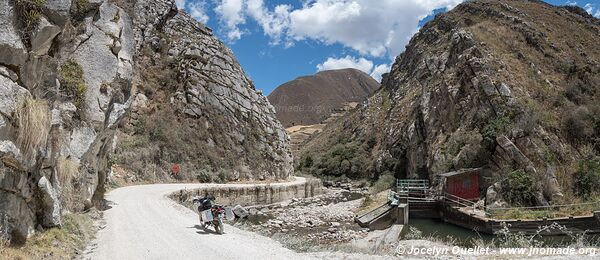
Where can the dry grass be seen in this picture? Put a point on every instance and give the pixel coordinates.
(67, 170)
(56, 243)
(374, 202)
(34, 125)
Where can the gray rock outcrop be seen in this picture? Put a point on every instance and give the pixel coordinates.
(206, 91)
(30, 186)
(68, 83)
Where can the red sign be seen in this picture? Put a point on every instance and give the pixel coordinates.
(175, 169)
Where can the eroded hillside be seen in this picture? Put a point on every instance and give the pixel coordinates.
(312, 99)
(509, 86)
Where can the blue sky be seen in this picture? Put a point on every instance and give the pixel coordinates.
(279, 40)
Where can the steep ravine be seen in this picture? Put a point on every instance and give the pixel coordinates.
(76, 74)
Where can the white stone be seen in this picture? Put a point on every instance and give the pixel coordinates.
(12, 50)
(81, 139)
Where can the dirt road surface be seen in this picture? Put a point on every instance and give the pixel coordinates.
(143, 223)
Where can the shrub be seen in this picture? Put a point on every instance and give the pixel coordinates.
(33, 117)
(80, 8)
(306, 161)
(386, 181)
(491, 130)
(367, 201)
(204, 176)
(29, 11)
(587, 177)
(520, 189)
(578, 125)
(73, 85)
(223, 176)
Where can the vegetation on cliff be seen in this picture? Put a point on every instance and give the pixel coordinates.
(509, 86)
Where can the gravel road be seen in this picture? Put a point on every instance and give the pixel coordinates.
(144, 224)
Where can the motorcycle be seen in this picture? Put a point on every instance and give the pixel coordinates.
(212, 214)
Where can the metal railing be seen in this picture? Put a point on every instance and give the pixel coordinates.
(408, 185)
(458, 201)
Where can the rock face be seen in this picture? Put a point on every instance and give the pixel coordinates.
(312, 99)
(492, 84)
(196, 107)
(68, 81)
(42, 132)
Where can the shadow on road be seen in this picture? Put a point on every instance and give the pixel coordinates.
(104, 204)
(204, 231)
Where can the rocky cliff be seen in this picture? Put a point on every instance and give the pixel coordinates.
(509, 86)
(70, 74)
(195, 108)
(310, 100)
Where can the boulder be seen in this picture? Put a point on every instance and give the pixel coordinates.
(16, 198)
(43, 36)
(39, 72)
(240, 211)
(6, 72)
(50, 203)
(58, 11)
(494, 199)
(12, 50)
(10, 155)
(80, 141)
(11, 96)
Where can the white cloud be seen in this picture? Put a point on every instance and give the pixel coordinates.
(197, 12)
(374, 28)
(380, 70)
(180, 4)
(362, 64)
(231, 15)
(273, 23)
(346, 62)
(588, 8)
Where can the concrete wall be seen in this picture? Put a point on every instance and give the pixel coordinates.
(254, 194)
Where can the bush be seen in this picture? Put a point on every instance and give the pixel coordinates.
(386, 181)
(367, 201)
(520, 189)
(587, 177)
(493, 128)
(578, 125)
(33, 117)
(344, 158)
(72, 82)
(306, 161)
(29, 11)
(204, 176)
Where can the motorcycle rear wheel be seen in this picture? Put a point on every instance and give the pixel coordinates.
(219, 226)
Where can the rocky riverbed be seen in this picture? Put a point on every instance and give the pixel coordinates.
(323, 220)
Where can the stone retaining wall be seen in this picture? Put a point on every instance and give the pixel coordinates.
(253, 194)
